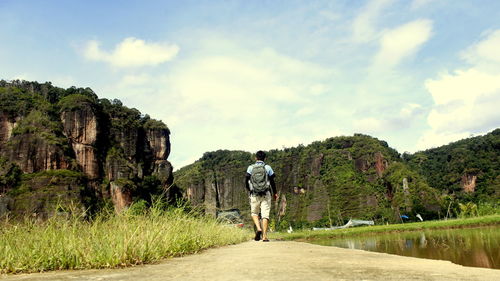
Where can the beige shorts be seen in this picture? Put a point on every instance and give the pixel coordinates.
(260, 204)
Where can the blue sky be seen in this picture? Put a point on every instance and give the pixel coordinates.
(252, 75)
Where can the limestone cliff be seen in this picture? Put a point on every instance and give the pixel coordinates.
(115, 148)
(81, 128)
(321, 184)
(34, 154)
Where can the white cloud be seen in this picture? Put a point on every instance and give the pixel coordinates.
(385, 123)
(364, 24)
(432, 139)
(463, 86)
(369, 125)
(318, 89)
(486, 51)
(135, 79)
(401, 42)
(245, 99)
(466, 100)
(132, 52)
(411, 110)
(305, 111)
(243, 83)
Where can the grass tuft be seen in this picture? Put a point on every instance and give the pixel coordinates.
(109, 241)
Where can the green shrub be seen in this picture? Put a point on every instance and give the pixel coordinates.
(75, 102)
(138, 208)
(468, 210)
(152, 124)
(487, 208)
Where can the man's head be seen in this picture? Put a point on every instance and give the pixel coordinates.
(260, 155)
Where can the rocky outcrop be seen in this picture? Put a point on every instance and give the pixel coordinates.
(468, 182)
(118, 167)
(381, 164)
(121, 196)
(81, 128)
(159, 144)
(375, 162)
(33, 153)
(163, 170)
(6, 126)
(129, 141)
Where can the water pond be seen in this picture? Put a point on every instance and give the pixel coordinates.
(478, 247)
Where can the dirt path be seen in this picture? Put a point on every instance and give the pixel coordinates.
(281, 261)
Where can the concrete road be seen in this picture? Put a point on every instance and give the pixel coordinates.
(284, 261)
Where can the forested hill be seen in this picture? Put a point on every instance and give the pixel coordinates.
(468, 169)
(66, 149)
(328, 182)
(324, 183)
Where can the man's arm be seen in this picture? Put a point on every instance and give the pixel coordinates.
(273, 184)
(247, 179)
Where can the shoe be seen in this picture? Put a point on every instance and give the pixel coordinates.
(258, 235)
(265, 240)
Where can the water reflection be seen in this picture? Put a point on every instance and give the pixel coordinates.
(479, 247)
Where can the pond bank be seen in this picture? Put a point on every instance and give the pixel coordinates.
(281, 260)
(451, 223)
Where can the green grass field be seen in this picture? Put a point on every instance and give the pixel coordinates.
(451, 223)
(109, 241)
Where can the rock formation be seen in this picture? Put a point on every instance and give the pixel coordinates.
(159, 143)
(44, 129)
(6, 126)
(120, 195)
(468, 182)
(81, 128)
(34, 154)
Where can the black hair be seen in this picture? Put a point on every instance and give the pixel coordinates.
(260, 155)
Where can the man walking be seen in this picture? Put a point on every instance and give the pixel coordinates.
(259, 181)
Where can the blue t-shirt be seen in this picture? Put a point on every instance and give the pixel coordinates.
(268, 168)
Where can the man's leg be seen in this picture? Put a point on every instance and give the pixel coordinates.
(255, 209)
(256, 222)
(265, 209)
(265, 223)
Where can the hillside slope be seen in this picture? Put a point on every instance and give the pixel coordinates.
(466, 170)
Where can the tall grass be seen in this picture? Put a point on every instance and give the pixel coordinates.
(451, 223)
(109, 241)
